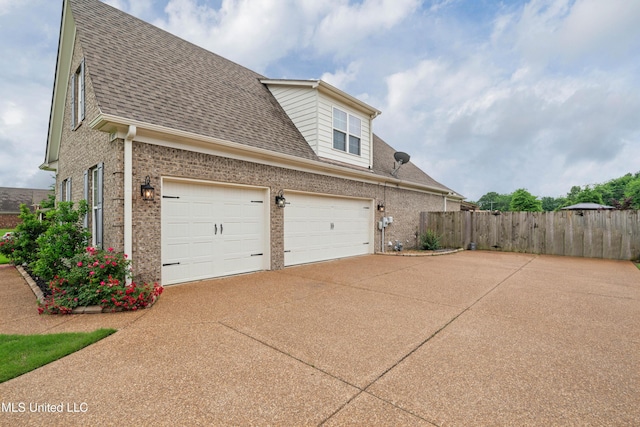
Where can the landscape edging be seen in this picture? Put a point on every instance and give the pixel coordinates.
(91, 309)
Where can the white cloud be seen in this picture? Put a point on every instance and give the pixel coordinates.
(342, 77)
(250, 32)
(543, 110)
(564, 31)
(140, 8)
(347, 24)
(257, 33)
(541, 94)
(7, 5)
(11, 115)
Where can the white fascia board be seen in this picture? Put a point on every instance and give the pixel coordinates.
(183, 140)
(60, 85)
(330, 91)
(50, 167)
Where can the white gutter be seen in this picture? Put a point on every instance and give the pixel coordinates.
(128, 195)
(109, 123)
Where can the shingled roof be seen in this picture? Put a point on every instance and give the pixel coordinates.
(383, 164)
(143, 73)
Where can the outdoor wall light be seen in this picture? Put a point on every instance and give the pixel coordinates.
(146, 190)
(280, 200)
(381, 207)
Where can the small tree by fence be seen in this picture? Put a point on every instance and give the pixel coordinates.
(594, 234)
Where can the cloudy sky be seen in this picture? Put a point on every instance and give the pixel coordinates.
(485, 95)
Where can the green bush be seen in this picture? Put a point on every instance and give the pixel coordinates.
(21, 247)
(97, 277)
(64, 238)
(429, 240)
(56, 251)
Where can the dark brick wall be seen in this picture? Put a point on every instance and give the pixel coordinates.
(82, 149)
(158, 162)
(9, 221)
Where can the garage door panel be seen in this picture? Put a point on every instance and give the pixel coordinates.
(211, 230)
(177, 229)
(319, 228)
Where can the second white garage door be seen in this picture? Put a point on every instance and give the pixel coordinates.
(318, 228)
(212, 230)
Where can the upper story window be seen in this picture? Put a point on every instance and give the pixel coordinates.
(77, 96)
(346, 132)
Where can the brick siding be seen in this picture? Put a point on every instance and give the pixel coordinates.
(9, 221)
(158, 161)
(83, 148)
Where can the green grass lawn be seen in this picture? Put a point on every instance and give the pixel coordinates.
(3, 259)
(23, 353)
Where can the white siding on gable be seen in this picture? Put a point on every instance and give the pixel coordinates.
(301, 105)
(325, 134)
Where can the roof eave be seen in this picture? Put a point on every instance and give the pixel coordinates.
(332, 91)
(119, 126)
(63, 66)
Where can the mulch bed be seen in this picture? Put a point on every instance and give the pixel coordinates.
(44, 286)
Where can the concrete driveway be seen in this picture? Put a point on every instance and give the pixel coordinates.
(474, 338)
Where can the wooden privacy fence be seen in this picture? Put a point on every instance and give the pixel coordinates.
(608, 234)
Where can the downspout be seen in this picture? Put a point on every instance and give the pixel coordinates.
(445, 202)
(128, 194)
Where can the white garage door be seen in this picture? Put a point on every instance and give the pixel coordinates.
(318, 228)
(212, 230)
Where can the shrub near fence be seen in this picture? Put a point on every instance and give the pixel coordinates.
(607, 234)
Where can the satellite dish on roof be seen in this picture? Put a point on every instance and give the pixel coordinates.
(401, 158)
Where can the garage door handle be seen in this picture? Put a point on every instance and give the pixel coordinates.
(221, 228)
(171, 263)
(332, 226)
(216, 228)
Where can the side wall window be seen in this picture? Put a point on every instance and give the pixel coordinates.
(93, 192)
(77, 96)
(65, 190)
(346, 132)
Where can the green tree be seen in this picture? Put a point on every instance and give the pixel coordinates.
(523, 201)
(50, 201)
(633, 190)
(64, 238)
(589, 195)
(495, 201)
(614, 189)
(550, 204)
(572, 195)
(24, 248)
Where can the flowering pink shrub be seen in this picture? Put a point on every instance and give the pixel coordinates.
(98, 277)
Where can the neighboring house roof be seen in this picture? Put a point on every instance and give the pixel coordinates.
(144, 74)
(12, 198)
(587, 206)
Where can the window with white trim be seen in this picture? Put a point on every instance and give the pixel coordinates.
(65, 190)
(77, 96)
(93, 193)
(346, 132)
